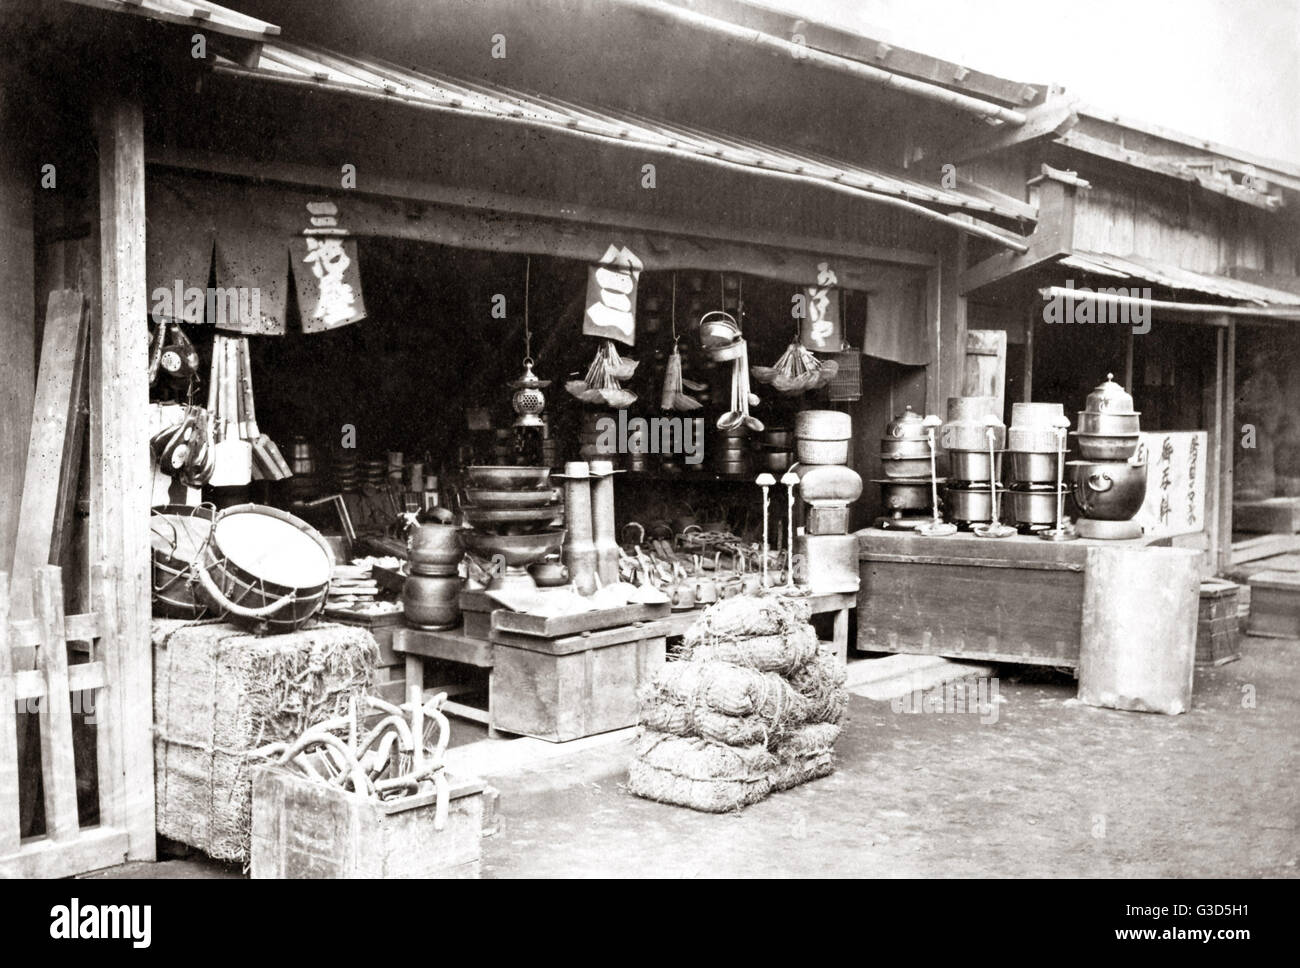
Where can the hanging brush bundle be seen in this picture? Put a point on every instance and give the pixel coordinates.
(796, 371)
(674, 396)
(603, 382)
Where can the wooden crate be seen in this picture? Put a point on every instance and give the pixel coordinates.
(1217, 628)
(575, 686)
(307, 829)
(1275, 604)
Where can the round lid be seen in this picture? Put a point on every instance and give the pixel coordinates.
(909, 423)
(1109, 397)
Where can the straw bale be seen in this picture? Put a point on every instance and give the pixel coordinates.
(219, 693)
(698, 774)
(805, 753)
(744, 616)
(731, 690)
(785, 653)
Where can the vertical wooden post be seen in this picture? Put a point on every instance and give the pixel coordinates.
(18, 176)
(119, 518)
(58, 770)
(946, 315)
(108, 722)
(1212, 394)
(1226, 443)
(1029, 349)
(10, 829)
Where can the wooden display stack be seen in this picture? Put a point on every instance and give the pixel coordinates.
(571, 676)
(1217, 627)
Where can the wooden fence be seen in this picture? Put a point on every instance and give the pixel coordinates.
(34, 665)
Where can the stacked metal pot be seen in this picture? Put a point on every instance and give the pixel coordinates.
(906, 490)
(1034, 445)
(974, 490)
(1109, 482)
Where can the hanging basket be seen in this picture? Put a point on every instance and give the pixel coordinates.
(846, 385)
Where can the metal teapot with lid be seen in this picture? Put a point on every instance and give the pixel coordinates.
(1110, 397)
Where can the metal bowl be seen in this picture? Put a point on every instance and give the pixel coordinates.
(488, 498)
(516, 520)
(516, 549)
(1107, 446)
(1108, 424)
(497, 477)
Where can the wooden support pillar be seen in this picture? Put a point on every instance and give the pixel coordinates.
(119, 513)
(946, 318)
(1212, 397)
(1030, 324)
(18, 178)
(1228, 374)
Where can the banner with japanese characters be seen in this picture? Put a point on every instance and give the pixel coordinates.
(820, 328)
(326, 276)
(611, 296)
(1175, 501)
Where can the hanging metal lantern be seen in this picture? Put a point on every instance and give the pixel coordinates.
(528, 400)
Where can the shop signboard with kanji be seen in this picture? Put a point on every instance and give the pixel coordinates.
(1175, 501)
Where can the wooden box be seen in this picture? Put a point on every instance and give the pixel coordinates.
(307, 829)
(1217, 626)
(567, 688)
(1275, 604)
(1014, 600)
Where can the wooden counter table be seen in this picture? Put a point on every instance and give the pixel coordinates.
(1016, 599)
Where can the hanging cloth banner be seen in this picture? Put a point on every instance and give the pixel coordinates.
(325, 272)
(821, 328)
(611, 296)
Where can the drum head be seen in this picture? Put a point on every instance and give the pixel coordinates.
(272, 549)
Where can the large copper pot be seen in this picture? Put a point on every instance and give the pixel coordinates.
(1108, 490)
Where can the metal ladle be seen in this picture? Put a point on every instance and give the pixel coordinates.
(1061, 532)
(995, 528)
(936, 527)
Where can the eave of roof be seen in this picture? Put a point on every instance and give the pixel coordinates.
(368, 77)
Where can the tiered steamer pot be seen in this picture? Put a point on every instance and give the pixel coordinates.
(1033, 449)
(905, 490)
(1109, 483)
(967, 500)
(1108, 427)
